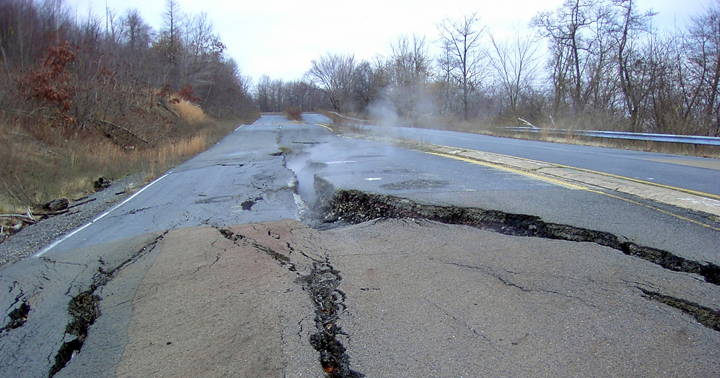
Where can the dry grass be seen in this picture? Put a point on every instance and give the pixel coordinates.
(189, 112)
(294, 114)
(41, 164)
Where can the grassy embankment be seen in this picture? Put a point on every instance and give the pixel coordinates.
(40, 161)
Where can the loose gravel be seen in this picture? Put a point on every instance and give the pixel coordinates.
(34, 237)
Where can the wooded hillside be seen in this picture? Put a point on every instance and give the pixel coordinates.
(90, 98)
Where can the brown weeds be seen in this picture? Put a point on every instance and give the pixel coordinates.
(190, 112)
(293, 114)
(38, 164)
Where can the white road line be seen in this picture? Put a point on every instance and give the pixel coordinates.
(62, 239)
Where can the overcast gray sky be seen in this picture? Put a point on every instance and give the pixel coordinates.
(280, 37)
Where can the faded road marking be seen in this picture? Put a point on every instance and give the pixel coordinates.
(62, 239)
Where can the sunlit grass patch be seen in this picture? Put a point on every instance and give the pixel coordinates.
(190, 112)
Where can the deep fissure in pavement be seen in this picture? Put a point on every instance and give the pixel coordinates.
(84, 309)
(704, 315)
(322, 286)
(279, 257)
(353, 206)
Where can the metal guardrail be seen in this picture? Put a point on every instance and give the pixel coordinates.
(349, 118)
(668, 138)
(695, 140)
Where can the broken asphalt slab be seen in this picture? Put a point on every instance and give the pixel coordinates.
(66, 295)
(443, 300)
(407, 298)
(212, 306)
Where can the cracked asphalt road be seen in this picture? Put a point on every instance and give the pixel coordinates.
(222, 268)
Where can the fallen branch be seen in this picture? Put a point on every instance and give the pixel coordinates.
(124, 129)
(162, 104)
(78, 203)
(7, 187)
(30, 215)
(32, 113)
(19, 216)
(51, 213)
(527, 123)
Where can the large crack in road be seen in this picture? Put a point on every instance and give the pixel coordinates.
(331, 207)
(339, 206)
(84, 309)
(353, 206)
(321, 283)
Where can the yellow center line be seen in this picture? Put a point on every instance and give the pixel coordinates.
(513, 170)
(325, 126)
(567, 184)
(655, 208)
(688, 191)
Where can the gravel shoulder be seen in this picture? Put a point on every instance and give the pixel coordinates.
(34, 237)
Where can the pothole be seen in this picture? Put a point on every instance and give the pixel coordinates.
(249, 203)
(416, 184)
(18, 317)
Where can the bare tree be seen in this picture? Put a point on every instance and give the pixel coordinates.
(171, 42)
(446, 83)
(364, 86)
(203, 53)
(516, 64)
(408, 62)
(580, 50)
(466, 56)
(136, 33)
(407, 71)
(634, 73)
(673, 96)
(335, 76)
(703, 48)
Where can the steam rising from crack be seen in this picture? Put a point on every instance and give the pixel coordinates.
(304, 170)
